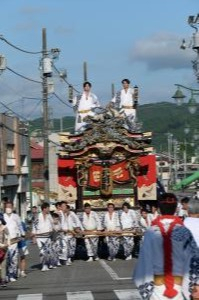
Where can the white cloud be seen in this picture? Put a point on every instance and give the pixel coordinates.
(61, 30)
(34, 9)
(26, 26)
(161, 51)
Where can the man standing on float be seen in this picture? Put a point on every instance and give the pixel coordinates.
(126, 100)
(83, 106)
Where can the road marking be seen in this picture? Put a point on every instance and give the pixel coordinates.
(127, 294)
(30, 297)
(111, 272)
(83, 295)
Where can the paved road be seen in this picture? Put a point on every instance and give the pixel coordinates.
(100, 280)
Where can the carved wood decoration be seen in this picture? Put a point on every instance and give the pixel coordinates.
(106, 152)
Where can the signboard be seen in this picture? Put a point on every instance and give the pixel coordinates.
(67, 189)
(146, 181)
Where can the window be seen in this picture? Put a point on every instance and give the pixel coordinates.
(10, 151)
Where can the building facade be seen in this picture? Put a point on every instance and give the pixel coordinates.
(14, 169)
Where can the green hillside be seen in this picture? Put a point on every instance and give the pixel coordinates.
(163, 118)
(160, 118)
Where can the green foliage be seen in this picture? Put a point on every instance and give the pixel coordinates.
(66, 124)
(163, 118)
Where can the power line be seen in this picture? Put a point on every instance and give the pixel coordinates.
(34, 109)
(20, 49)
(62, 100)
(10, 129)
(9, 109)
(66, 81)
(22, 76)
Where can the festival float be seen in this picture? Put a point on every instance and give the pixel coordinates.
(110, 161)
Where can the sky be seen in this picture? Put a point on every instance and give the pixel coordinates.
(138, 40)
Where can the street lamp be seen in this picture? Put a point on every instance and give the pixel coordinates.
(179, 97)
(193, 21)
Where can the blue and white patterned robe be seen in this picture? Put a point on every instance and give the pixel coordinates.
(185, 259)
(111, 223)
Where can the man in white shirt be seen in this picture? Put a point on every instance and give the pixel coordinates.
(192, 221)
(14, 225)
(126, 101)
(83, 106)
(42, 232)
(70, 225)
(111, 223)
(185, 203)
(145, 219)
(65, 230)
(129, 222)
(91, 223)
(154, 211)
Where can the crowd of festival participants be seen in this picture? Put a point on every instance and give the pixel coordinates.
(56, 234)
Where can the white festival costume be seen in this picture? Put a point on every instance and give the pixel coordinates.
(43, 228)
(69, 222)
(128, 221)
(111, 223)
(145, 224)
(14, 225)
(83, 107)
(91, 222)
(126, 102)
(184, 262)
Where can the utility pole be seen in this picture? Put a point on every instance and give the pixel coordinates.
(185, 157)
(112, 90)
(45, 115)
(85, 71)
(175, 149)
(170, 143)
(30, 165)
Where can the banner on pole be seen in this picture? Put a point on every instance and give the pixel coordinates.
(146, 181)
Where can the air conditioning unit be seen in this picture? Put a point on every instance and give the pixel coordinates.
(2, 63)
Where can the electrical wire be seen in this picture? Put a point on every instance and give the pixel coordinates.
(64, 79)
(22, 76)
(9, 109)
(12, 130)
(20, 49)
(34, 109)
(62, 100)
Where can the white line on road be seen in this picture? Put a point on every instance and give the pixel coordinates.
(83, 295)
(127, 294)
(111, 272)
(30, 297)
